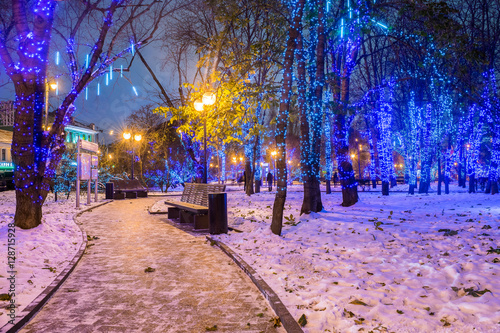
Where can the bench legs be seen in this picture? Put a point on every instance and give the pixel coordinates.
(173, 213)
(131, 195)
(199, 221)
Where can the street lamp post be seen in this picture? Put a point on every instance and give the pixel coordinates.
(359, 162)
(208, 99)
(273, 154)
(137, 137)
(53, 86)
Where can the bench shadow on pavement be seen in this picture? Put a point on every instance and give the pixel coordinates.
(186, 227)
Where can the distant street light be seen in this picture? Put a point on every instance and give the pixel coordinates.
(137, 137)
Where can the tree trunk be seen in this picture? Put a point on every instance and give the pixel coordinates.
(472, 183)
(385, 188)
(248, 178)
(282, 118)
(28, 214)
(411, 189)
(348, 183)
(346, 173)
(328, 187)
(439, 176)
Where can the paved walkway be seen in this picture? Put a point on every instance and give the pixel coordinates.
(194, 287)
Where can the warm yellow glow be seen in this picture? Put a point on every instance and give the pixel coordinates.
(401, 165)
(234, 159)
(110, 156)
(273, 153)
(208, 98)
(289, 162)
(198, 105)
(211, 165)
(111, 132)
(48, 129)
(137, 137)
(53, 85)
(352, 155)
(98, 151)
(127, 135)
(455, 163)
(241, 158)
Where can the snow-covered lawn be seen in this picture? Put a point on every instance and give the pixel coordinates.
(421, 263)
(397, 264)
(41, 253)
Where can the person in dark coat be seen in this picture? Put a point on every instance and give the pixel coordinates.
(270, 181)
(335, 178)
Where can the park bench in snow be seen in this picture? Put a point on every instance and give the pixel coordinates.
(193, 206)
(128, 188)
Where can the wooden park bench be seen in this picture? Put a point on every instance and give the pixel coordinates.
(193, 207)
(129, 188)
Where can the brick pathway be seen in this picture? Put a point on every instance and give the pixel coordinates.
(194, 287)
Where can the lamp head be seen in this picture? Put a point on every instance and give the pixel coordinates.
(137, 137)
(127, 135)
(198, 105)
(208, 98)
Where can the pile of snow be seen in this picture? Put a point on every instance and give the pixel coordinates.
(398, 263)
(41, 253)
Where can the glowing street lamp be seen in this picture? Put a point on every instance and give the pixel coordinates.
(273, 154)
(53, 86)
(208, 98)
(199, 106)
(137, 137)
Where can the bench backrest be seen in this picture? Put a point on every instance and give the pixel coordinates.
(197, 193)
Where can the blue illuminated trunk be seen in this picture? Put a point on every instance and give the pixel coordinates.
(282, 118)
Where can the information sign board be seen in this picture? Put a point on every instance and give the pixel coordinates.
(85, 161)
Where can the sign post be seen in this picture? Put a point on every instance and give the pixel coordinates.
(86, 168)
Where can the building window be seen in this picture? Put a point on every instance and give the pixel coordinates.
(3, 154)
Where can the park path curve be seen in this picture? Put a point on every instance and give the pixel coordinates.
(194, 286)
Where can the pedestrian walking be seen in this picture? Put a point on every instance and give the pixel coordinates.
(270, 181)
(335, 178)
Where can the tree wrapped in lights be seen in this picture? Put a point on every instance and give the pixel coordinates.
(297, 10)
(492, 107)
(412, 142)
(384, 122)
(310, 103)
(36, 153)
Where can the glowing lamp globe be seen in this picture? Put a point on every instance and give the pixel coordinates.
(127, 135)
(208, 98)
(137, 137)
(198, 105)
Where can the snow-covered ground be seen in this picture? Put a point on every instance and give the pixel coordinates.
(421, 263)
(41, 253)
(381, 265)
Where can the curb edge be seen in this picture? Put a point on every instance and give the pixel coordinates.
(287, 320)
